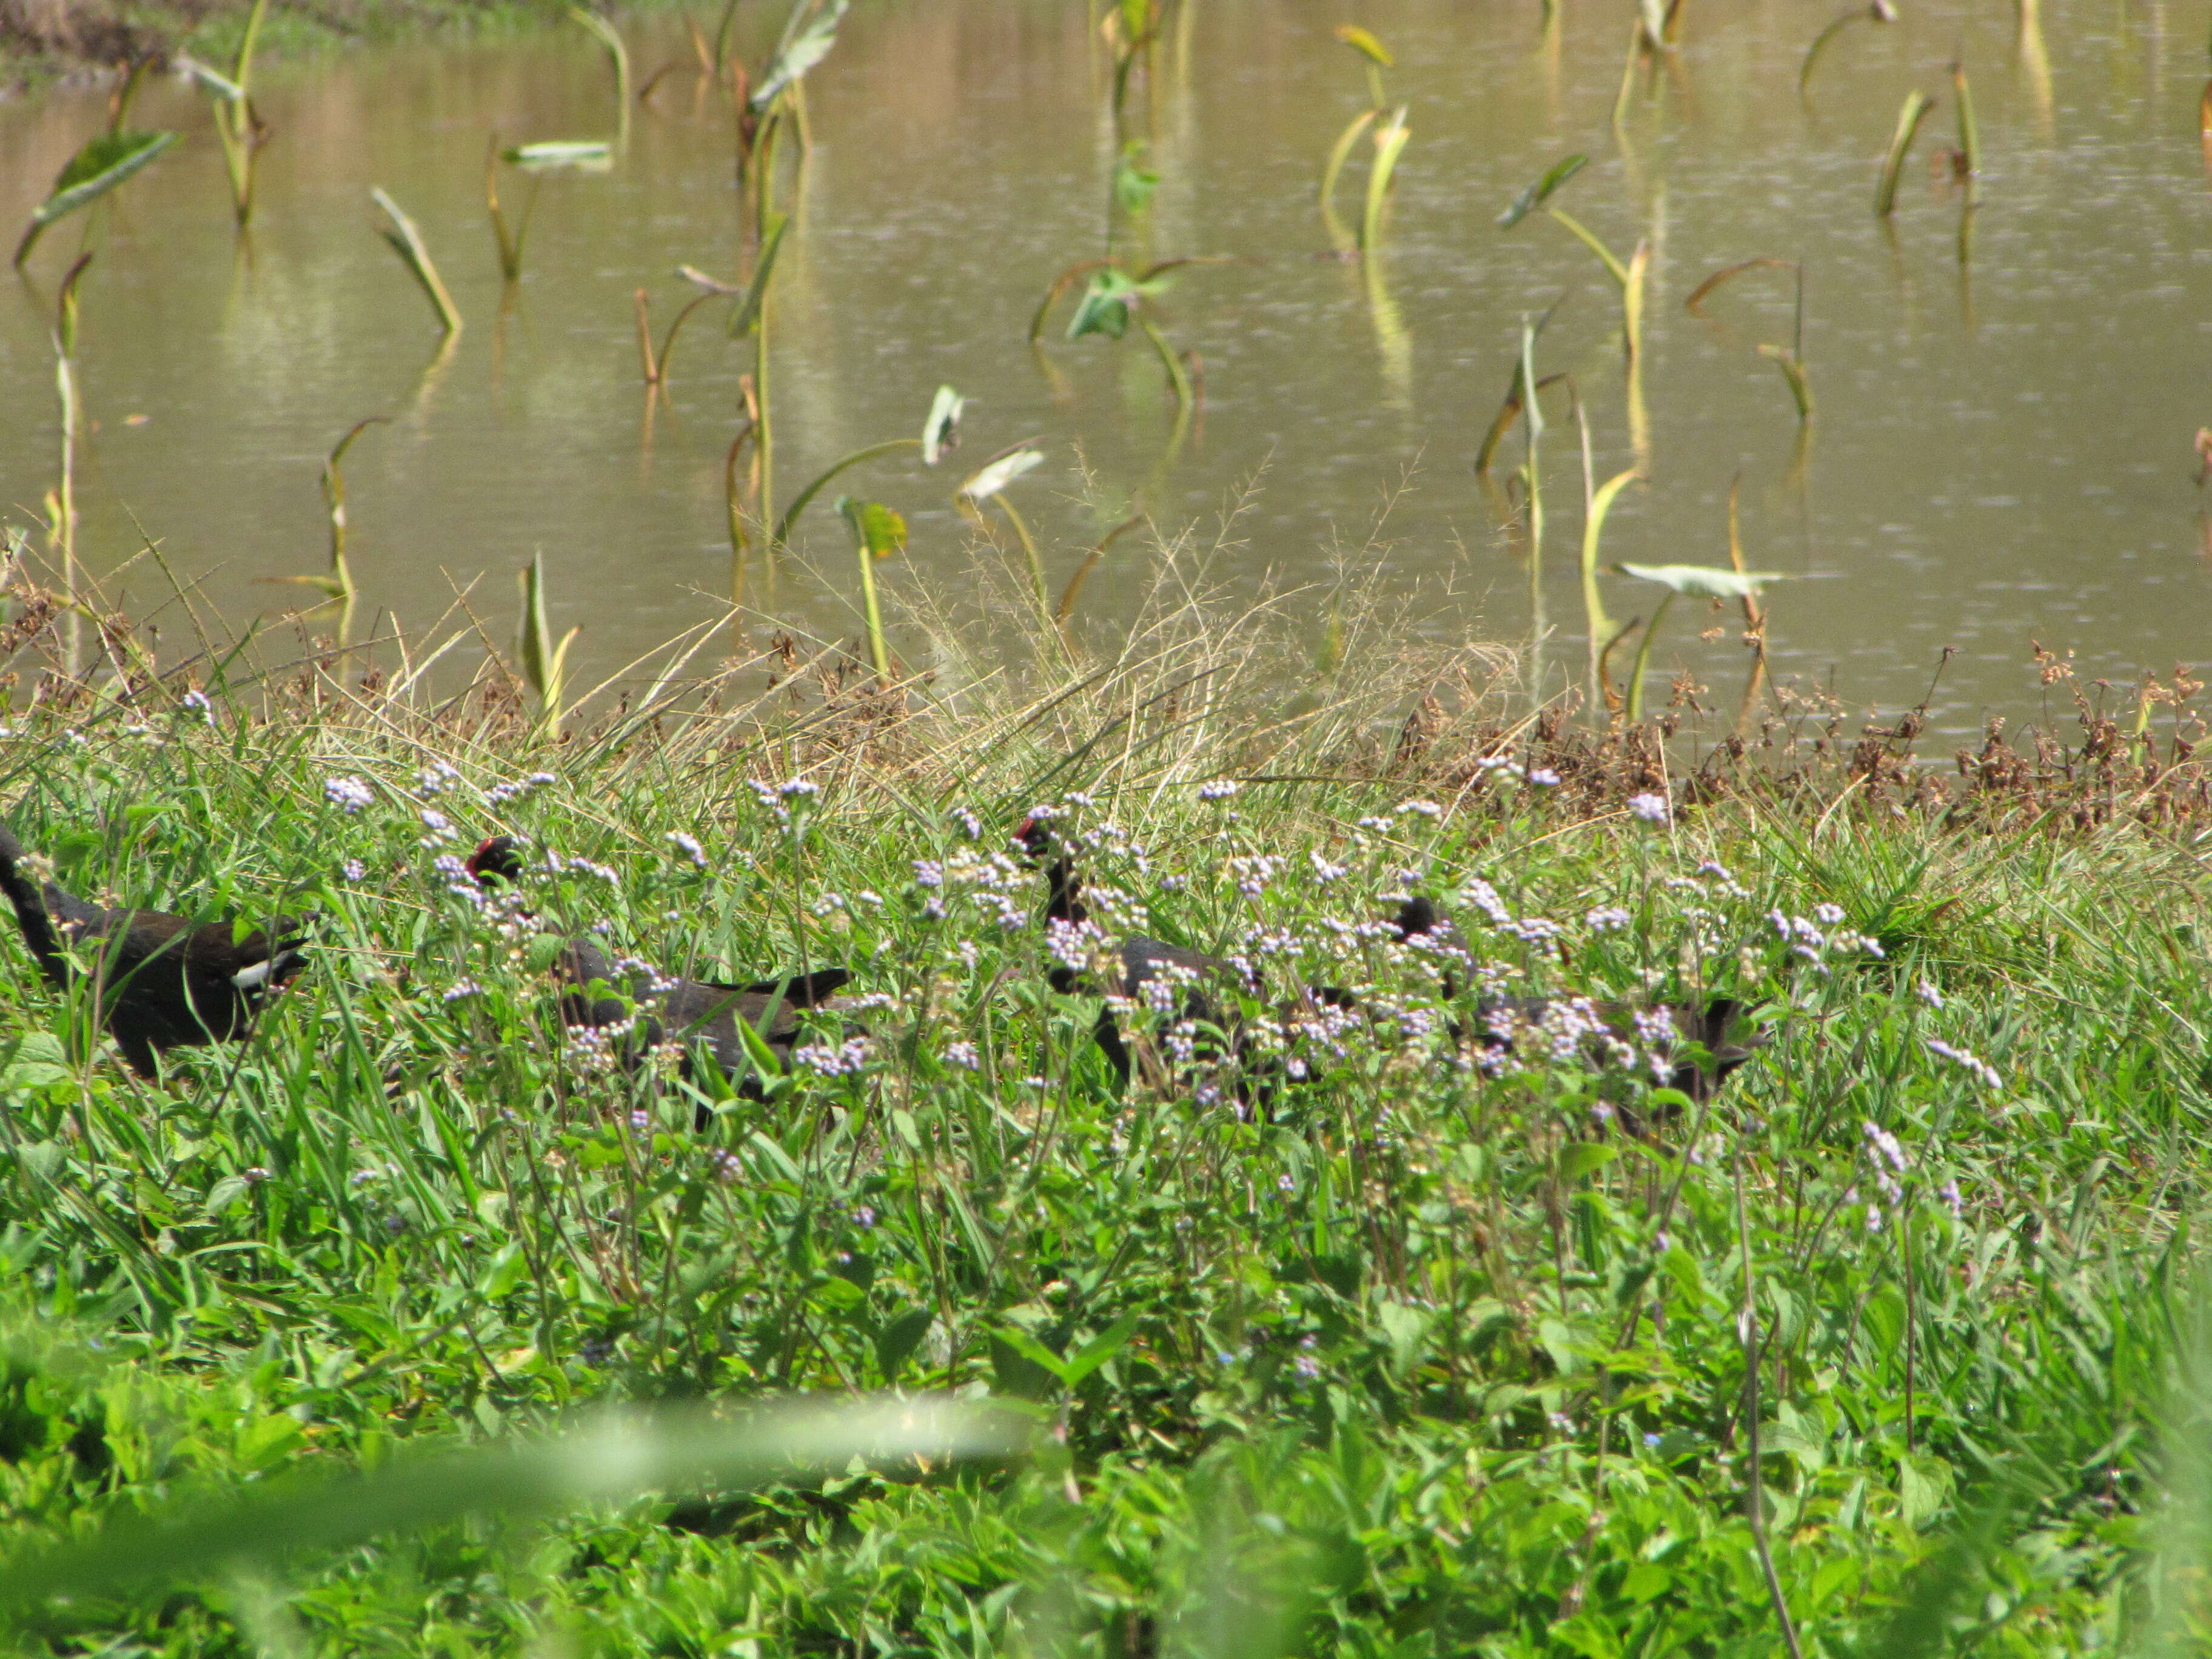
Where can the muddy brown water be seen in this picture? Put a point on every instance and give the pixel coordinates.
(2001, 449)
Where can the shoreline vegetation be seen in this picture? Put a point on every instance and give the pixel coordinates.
(44, 40)
(1386, 1342)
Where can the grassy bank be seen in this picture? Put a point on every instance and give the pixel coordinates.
(40, 39)
(1420, 1355)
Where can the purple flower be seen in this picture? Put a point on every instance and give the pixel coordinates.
(349, 793)
(1650, 807)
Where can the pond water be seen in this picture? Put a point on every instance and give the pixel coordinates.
(2002, 448)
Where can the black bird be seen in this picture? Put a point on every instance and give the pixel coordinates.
(161, 982)
(696, 1013)
(1145, 962)
(1721, 1026)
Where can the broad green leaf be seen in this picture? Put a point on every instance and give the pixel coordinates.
(1541, 191)
(1366, 45)
(1100, 1349)
(1703, 581)
(1134, 181)
(941, 431)
(99, 168)
(1000, 473)
(877, 528)
(1033, 1350)
(1585, 1157)
(1108, 302)
(900, 1338)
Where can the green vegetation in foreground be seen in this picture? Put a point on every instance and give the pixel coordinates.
(1416, 1361)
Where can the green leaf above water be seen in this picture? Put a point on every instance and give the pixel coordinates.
(1703, 581)
(941, 431)
(999, 474)
(1108, 302)
(810, 46)
(878, 530)
(588, 155)
(1542, 190)
(104, 162)
(1366, 45)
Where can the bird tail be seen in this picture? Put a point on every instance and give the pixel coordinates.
(1725, 1029)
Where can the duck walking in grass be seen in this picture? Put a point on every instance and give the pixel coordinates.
(694, 1013)
(161, 980)
(1699, 1045)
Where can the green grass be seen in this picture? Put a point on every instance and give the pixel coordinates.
(96, 33)
(1411, 1361)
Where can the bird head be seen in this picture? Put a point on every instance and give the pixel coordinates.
(500, 857)
(1418, 915)
(1035, 838)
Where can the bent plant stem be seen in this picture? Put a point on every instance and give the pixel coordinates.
(1909, 115)
(1598, 504)
(1178, 375)
(407, 242)
(1083, 571)
(1030, 552)
(1389, 145)
(1754, 613)
(1643, 660)
(739, 540)
(656, 363)
(1584, 234)
(1338, 153)
(781, 533)
(510, 242)
(340, 583)
(62, 500)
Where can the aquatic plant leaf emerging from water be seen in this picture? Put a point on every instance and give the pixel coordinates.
(99, 168)
(591, 155)
(1366, 45)
(941, 431)
(1542, 190)
(1703, 581)
(1000, 473)
(1107, 304)
(808, 48)
(879, 530)
(1134, 180)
